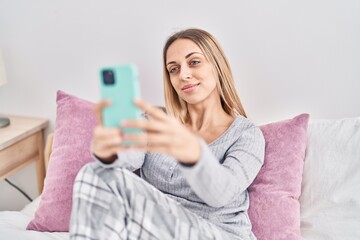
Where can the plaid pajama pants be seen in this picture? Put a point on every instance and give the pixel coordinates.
(113, 203)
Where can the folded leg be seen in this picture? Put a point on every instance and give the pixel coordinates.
(116, 204)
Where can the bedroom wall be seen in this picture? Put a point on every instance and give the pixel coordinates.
(288, 57)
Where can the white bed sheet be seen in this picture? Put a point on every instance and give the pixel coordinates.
(13, 225)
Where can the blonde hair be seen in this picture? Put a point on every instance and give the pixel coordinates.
(213, 52)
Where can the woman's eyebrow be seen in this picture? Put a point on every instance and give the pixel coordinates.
(170, 62)
(186, 57)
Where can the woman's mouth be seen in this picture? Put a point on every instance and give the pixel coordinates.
(190, 87)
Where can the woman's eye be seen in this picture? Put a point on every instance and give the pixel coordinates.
(173, 69)
(194, 62)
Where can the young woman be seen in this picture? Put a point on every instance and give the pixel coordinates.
(196, 161)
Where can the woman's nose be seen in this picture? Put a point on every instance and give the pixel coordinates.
(185, 73)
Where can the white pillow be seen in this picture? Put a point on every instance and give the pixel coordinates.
(330, 196)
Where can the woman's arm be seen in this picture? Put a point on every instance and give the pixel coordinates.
(215, 181)
(218, 184)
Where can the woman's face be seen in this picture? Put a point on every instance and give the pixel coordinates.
(191, 75)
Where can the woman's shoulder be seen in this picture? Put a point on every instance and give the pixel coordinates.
(242, 125)
(240, 122)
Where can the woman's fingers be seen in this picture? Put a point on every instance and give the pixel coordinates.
(98, 108)
(150, 138)
(106, 141)
(150, 110)
(145, 125)
(101, 133)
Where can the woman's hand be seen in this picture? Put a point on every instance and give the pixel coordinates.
(162, 133)
(106, 142)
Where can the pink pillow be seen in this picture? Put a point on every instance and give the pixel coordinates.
(274, 195)
(71, 150)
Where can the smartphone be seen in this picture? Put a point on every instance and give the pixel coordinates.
(120, 85)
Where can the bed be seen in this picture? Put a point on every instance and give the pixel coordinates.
(13, 225)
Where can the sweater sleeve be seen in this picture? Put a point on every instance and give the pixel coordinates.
(130, 160)
(218, 181)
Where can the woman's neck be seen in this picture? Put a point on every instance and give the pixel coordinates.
(202, 118)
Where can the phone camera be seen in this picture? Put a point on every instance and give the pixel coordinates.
(108, 77)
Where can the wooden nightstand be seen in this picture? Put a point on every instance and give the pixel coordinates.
(22, 143)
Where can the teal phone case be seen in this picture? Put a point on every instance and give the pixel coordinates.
(121, 94)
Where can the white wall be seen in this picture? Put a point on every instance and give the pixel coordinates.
(288, 57)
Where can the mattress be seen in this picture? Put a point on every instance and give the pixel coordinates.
(13, 225)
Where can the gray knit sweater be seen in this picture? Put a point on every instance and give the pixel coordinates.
(216, 186)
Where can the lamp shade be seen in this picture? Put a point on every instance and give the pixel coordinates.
(2, 70)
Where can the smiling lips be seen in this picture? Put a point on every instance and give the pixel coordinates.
(190, 87)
